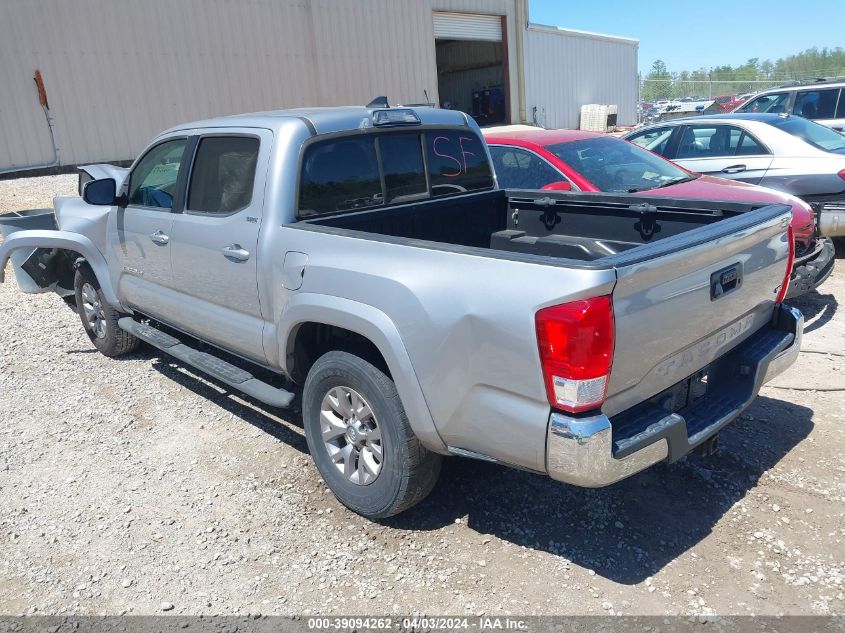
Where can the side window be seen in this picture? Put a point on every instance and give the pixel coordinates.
(522, 169)
(655, 140)
(840, 109)
(750, 146)
(816, 104)
(774, 103)
(701, 142)
(152, 182)
(339, 175)
(404, 169)
(457, 162)
(223, 174)
(713, 141)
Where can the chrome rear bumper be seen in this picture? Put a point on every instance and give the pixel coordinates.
(584, 451)
(580, 452)
(831, 220)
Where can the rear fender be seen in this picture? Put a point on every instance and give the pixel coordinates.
(65, 240)
(379, 329)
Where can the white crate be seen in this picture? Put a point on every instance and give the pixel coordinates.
(594, 116)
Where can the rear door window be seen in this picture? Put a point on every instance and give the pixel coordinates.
(714, 141)
(750, 146)
(816, 104)
(223, 174)
(774, 103)
(457, 162)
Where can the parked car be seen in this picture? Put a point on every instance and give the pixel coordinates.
(823, 102)
(533, 158)
(783, 152)
(367, 255)
(723, 104)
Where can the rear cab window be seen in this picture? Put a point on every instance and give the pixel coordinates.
(457, 162)
(362, 171)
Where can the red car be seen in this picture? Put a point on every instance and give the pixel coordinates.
(534, 158)
(724, 104)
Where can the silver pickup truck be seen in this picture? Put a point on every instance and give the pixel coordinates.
(366, 255)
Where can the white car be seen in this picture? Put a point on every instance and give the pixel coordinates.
(820, 101)
(779, 151)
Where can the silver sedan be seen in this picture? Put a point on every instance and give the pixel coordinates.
(783, 152)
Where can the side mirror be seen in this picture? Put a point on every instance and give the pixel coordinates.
(560, 185)
(100, 192)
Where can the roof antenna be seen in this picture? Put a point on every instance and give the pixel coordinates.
(378, 102)
(427, 100)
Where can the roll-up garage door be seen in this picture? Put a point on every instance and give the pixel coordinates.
(467, 26)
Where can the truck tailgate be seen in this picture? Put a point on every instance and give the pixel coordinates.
(682, 302)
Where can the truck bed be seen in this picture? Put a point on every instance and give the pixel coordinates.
(579, 228)
(666, 258)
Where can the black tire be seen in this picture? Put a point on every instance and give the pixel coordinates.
(408, 470)
(110, 340)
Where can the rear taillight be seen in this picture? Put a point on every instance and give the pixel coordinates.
(842, 174)
(790, 260)
(576, 352)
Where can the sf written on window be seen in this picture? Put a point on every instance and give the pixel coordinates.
(457, 162)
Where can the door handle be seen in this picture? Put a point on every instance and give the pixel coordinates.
(235, 252)
(734, 169)
(160, 238)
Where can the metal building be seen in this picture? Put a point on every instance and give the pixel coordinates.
(115, 72)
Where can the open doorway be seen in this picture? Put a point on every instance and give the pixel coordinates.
(472, 66)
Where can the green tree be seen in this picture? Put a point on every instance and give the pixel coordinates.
(658, 82)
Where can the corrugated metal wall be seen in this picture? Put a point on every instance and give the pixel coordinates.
(567, 69)
(119, 71)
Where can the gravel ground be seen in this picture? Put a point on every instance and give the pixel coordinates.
(134, 486)
(34, 193)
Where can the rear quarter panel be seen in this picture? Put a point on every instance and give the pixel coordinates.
(467, 323)
(805, 175)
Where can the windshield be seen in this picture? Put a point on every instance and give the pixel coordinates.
(815, 134)
(614, 165)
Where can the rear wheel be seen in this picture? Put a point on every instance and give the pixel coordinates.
(360, 438)
(98, 318)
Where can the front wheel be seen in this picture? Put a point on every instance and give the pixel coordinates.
(360, 438)
(98, 318)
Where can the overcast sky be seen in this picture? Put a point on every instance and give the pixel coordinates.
(690, 35)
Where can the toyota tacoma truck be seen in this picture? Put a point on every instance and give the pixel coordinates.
(366, 256)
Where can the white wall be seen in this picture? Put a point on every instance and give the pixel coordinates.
(119, 71)
(567, 69)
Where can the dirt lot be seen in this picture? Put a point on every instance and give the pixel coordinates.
(133, 486)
